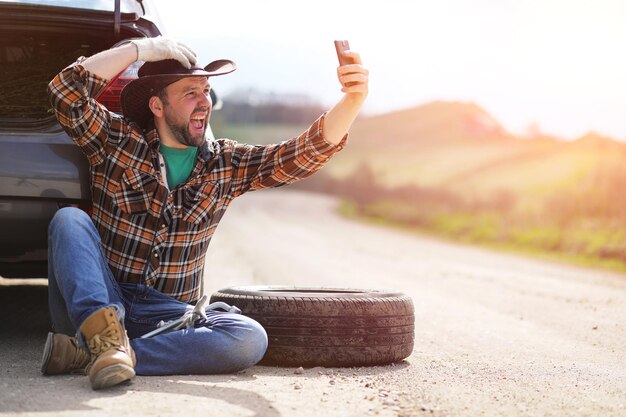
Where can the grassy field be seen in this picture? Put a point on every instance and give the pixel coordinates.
(589, 245)
(450, 170)
(258, 134)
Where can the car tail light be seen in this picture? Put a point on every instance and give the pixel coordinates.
(110, 96)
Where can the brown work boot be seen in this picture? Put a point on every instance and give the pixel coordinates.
(112, 358)
(62, 355)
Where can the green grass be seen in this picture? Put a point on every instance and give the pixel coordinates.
(596, 246)
(467, 171)
(257, 134)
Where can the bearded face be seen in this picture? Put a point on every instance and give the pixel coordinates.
(187, 131)
(187, 109)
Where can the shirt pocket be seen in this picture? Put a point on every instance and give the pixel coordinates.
(136, 191)
(199, 202)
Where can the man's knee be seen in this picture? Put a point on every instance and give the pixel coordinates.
(246, 346)
(254, 344)
(68, 218)
(250, 347)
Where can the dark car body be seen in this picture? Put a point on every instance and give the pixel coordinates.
(41, 169)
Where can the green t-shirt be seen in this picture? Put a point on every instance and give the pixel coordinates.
(178, 163)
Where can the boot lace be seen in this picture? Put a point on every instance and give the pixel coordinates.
(107, 339)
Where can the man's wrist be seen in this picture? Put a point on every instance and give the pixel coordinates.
(355, 99)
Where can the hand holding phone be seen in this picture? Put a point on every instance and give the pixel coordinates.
(342, 47)
(353, 77)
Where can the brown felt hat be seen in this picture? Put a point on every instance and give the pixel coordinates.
(154, 76)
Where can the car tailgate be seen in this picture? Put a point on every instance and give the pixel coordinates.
(40, 165)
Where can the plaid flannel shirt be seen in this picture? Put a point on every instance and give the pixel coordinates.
(151, 235)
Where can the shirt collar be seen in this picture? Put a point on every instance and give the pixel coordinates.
(152, 137)
(205, 151)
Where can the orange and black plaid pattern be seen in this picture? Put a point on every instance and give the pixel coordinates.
(151, 235)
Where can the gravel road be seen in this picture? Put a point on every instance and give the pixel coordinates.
(496, 334)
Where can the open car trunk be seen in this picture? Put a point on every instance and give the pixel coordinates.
(28, 61)
(40, 167)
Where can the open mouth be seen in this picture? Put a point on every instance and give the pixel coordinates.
(198, 121)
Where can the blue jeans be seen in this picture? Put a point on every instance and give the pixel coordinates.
(81, 282)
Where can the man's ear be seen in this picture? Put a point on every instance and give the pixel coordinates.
(156, 106)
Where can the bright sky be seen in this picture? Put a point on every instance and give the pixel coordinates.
(558, 63)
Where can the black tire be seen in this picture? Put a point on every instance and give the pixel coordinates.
(329, 327)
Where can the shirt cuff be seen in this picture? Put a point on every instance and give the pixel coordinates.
(93, 84)
(319, 142)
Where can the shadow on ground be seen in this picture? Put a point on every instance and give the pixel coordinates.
(24, 325)
(24, 311)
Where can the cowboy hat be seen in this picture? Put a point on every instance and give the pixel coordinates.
(154, 76)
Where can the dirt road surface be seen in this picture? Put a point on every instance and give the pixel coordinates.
(496, 334)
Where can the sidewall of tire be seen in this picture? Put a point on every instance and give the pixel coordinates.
(328, 327)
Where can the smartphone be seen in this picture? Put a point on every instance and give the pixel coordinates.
(342, 47)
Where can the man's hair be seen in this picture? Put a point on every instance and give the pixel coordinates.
(163, 96)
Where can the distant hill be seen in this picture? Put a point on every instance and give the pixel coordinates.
(249, 106)
(461, 148)
(439, 121)
(451, 169)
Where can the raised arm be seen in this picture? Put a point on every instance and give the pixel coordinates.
(72, 92)
(342, 115)
(259, 167)
(107, 64)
